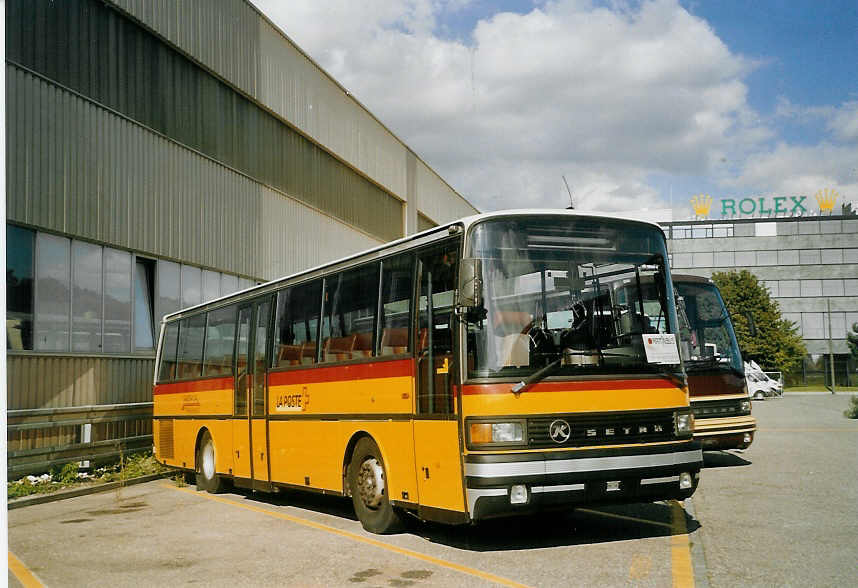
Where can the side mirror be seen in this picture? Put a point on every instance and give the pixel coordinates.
(470, 282)
(752, 326)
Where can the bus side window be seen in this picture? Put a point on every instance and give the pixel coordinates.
(167, 370)
(296, 324)
(348, 319)
(190, 355)
(220, 338)
(397, 278)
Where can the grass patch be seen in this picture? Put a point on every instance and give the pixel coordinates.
(820, 388)
(68, 476)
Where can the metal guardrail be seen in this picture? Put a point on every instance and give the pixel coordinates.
(44, 437)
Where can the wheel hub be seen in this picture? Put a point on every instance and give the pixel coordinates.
(370, 483)
(208, 465)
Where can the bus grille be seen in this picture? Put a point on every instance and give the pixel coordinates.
(648, 427)
(165, 439)
(718, 408)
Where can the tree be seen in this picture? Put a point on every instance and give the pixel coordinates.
(852, 340)
(776, 343)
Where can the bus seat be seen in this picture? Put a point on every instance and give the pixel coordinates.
(308, 352)
(289, 355)
(339, 348)
(189, 370)
(394, 341)
(363, 345)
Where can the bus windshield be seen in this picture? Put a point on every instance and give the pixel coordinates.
(709, 340)
(577, 294)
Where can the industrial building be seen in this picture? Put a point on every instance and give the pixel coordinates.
(809, 263)
(161, 154)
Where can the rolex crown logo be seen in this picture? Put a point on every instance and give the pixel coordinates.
(701, 204)
(826, 198)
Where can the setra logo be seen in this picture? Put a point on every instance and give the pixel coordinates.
(701, 203)
(826, 198)
(559, 431)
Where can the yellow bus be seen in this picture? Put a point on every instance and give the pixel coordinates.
(713, 363)
(487, 367)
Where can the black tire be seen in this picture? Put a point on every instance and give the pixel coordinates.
(367, 479)
(207, 476)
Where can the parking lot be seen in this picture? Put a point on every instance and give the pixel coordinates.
(785, 512)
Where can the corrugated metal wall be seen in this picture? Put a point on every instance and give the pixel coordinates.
(115, 63)
(80, 169)
(273, 70)
(51, 381)
(436, 199)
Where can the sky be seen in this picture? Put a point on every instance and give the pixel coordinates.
(638, 104)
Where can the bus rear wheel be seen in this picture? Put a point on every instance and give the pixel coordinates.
(207, 476)
(367, 479)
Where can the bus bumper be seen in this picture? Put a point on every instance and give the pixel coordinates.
(725, 433)
(518, 483)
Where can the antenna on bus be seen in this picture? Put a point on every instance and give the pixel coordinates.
(571, 200)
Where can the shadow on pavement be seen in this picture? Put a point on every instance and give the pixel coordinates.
(723, 459)
(582, 526)
(550, 529)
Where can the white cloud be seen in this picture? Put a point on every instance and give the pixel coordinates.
(790, 169)
(607, 96)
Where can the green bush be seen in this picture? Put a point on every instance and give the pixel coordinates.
(852, 411)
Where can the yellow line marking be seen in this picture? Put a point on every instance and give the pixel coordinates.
(808, 430)
(23, 573)
(624, 517)
(355, 537)
(680, 549)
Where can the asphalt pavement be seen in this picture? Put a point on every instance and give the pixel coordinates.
(784, 512)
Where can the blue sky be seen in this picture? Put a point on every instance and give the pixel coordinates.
(637, 102)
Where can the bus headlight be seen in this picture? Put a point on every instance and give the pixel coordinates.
(483, 433)
(683, 424)
(745, 406)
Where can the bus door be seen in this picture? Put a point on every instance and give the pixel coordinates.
(241, 463)
(259, 395)
(436, 433)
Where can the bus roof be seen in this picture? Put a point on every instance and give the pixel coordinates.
(428, 236)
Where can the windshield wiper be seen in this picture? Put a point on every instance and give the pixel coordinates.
(536, 376)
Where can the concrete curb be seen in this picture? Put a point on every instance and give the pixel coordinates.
(84, 491)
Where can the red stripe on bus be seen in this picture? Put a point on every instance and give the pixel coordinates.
(340, 373)
(194, 386)
(655, 384)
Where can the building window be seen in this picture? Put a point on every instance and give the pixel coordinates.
(765, 229)
(767, 258)
(746, 258)
(228, 284)
(788, 257)
(211, 285)
(809, 257)
(53, 296)
(811, 325)
(143, 317)
(191, 286)
(167, 286)
(20, 251)
(117, 301)
(811, 287)
(87, 298)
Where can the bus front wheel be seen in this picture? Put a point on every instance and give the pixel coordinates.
(368, 486)
(207, 476)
